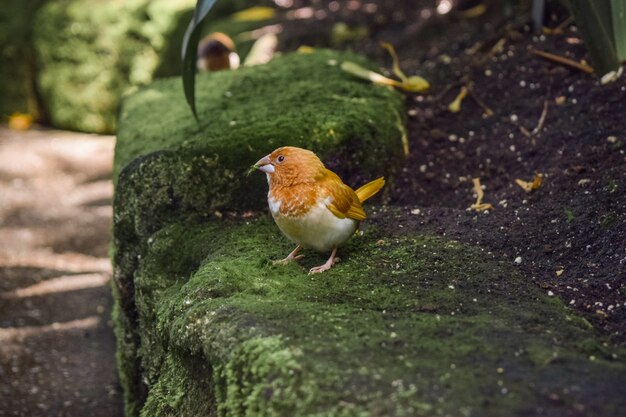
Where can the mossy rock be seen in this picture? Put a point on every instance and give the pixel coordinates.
(406, 325)
(169, 167)
(89, 57)
(171, 163)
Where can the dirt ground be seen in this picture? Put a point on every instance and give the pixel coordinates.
(525, 115)
(568, 236)
(57, 349)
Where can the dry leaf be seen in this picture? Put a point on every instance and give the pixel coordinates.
(559, 272)
(413, 84)
(479, 205)
(530, 186)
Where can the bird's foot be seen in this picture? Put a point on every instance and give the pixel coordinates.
(329, 263)
(287, 260)
(293, 256)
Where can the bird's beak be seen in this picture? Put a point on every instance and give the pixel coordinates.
(265, 165)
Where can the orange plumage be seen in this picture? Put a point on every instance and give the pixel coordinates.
(310, 203)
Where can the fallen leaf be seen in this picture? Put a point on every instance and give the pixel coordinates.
(414, 84)
(455, 106)
(480, 194)
(530, 186)
(20, 121)
(559, 272)
(305, 49)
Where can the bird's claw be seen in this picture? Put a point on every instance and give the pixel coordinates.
(287, 260)
(329, 264)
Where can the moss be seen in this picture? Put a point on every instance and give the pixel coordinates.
(17, 57)
(414, 326)
(297, 99)
(90, 56)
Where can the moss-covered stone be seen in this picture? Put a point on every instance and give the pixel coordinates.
(299, 99)
(410, 325)
(169, 167)
(90, 56)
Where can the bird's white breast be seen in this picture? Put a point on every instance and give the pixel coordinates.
(318, 228)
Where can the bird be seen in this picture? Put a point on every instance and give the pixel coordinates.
(216, 52)
(310, 204)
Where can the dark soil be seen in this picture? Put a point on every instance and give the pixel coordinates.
(569, 235)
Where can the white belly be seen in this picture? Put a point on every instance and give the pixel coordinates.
(318, 229)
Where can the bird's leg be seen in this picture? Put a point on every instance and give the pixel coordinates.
(291, 257)
(329, 263)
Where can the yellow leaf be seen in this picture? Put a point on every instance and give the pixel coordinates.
(415, 84)
(475, 11)
(305, 49)
(559, 272)
(366, 74)
(20, 121)
(479, 205)
(455, 106)
(254, 14)
(530, 186)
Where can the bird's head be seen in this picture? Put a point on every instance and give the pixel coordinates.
(290, 165)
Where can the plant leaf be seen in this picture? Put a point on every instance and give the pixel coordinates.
(618, 9)
(190, 51)
(593, 18)
(254, 14)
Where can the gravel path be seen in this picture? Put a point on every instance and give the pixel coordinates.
(57, 349)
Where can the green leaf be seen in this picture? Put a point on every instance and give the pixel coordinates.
(618, 7)
(594, 21)
(190, 51)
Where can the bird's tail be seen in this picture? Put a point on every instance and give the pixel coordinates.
(369, 189)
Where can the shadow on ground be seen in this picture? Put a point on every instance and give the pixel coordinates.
(57, 349)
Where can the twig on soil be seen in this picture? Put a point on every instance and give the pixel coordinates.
(562, 60)
(474, 96)
(540, 123)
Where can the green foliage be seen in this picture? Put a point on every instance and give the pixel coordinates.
(17, 57)
(190, 51)
(595, 22)
(91, 56)
(618, 8)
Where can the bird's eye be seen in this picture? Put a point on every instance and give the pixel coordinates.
(280, 158)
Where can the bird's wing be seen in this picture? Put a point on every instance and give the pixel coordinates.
(343, 201)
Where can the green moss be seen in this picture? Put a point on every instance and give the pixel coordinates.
(298, 99)
(412, 326)
(17, 57)
(91, 56)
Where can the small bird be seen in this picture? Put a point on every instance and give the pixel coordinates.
(216, 52)
(310, 204)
